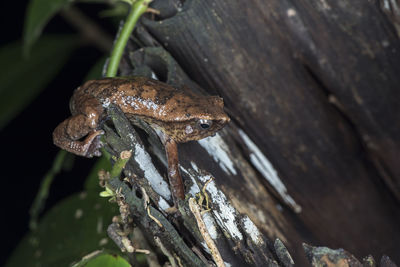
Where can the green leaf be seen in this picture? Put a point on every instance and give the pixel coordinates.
(72, 229)
(38, 13)
(65, 161)
(44, 188)
(22, 79)
(108, 260)
(103, 259)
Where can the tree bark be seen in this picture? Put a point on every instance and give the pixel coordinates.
(311, 154)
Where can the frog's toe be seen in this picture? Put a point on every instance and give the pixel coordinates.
(94, 144)
(94, 148)
(97, 153)
(171, 210)
(93, 152)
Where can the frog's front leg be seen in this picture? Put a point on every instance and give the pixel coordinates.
(67, 135)
(174, 176)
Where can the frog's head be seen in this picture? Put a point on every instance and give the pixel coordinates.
(201, 118)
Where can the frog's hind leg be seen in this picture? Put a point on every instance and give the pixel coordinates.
(67, 135)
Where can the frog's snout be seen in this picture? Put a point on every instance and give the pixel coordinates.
(224, 119)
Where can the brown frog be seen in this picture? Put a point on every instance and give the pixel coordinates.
(176, 115)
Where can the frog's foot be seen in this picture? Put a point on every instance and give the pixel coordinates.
(89, 147)
(68, 135)
(92, 144)
(203, 196)
(171, 210)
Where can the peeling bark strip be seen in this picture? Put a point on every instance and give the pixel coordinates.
(169, 236)
(195, 209)
(264, 166)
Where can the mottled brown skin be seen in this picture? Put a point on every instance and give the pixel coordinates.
(177, 116)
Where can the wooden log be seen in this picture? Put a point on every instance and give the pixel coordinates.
(280, 66)
(311, 153)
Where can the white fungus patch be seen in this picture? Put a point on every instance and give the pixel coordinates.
(151, 173)
(210, 225)
(194, 166)
(386, 4)
(224, 213)
(205, 247)
(252, 230)
(154, 76)
(132, 138)
(194, 189)
(218, 149)
(163, 204)
(264, 166)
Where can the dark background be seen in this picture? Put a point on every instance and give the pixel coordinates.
(29, 134)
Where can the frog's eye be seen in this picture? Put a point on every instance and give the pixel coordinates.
(204, 124)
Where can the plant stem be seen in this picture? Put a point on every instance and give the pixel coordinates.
(43, 192)
(137, 9)
(119, 165)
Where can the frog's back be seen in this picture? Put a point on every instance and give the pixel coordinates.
(92, 91)
(110, 87)
(135, 95)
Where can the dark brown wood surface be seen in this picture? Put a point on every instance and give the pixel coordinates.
(315, 86)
